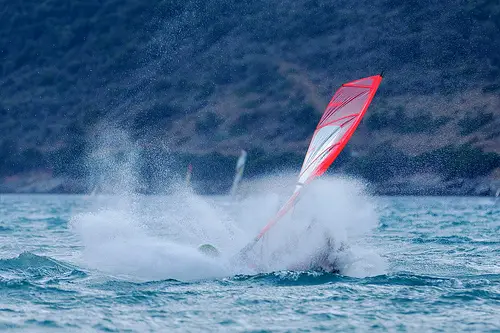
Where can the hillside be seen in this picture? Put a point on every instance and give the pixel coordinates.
(199, 80)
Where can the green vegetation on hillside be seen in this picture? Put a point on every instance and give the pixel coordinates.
(399, 122)
(450, 162)
(471, 123)
(164, 68)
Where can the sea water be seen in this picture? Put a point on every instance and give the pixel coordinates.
(107, 263)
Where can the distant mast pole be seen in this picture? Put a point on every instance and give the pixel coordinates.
(240, 167)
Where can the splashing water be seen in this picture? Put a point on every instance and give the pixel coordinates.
(331, 209)
(442, 254)
(156, 237)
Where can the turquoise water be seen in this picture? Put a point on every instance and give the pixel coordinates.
(441, 273)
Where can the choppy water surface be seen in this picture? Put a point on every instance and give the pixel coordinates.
(441, 272)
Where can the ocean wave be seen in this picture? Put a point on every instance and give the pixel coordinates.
(29, 267)
(451, 240)
(473, 294)
(55, 222)
(51, 221)
(123, 285)
(293, 278)
(445, 240)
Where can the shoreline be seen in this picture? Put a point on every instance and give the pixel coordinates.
(415, 185)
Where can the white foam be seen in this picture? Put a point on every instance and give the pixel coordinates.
(156, 237)
(339, 209)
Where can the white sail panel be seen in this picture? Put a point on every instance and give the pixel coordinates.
(322, 142)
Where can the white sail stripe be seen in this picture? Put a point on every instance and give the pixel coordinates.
(332, 134)
(323, 134)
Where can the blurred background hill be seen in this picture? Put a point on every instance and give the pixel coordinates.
(196, 81)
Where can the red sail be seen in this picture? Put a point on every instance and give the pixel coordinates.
(338, 123)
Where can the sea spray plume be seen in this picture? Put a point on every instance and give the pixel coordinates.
(147, 237)
(112, 162)
(262, 198)
(156, 237)
(206, 219)
(342, 210)
(117, 243)
(333, 207)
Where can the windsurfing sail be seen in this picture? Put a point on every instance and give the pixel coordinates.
(338, 123)
(240, 167)
(189, 173)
